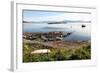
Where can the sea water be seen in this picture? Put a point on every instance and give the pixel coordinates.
(78, 32)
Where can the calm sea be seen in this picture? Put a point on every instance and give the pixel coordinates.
(78, 33)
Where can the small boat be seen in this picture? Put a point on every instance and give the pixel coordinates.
(83, 26)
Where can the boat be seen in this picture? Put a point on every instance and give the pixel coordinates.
(83, 26)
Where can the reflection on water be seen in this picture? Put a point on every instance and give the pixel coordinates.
(78, 33)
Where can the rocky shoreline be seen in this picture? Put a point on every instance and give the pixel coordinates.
(38, 49)
(46, 36)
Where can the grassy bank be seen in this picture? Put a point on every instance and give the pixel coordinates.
(56, 54)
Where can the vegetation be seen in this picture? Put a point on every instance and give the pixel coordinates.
(56, 54)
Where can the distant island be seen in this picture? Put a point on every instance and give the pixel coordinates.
(53, 28)
(58, 22)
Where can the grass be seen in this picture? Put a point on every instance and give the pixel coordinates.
(56, 54)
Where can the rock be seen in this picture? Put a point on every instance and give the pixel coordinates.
(41, 51)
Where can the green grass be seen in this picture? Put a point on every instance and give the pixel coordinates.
(56, 54)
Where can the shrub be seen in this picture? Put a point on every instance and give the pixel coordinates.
(56, 54)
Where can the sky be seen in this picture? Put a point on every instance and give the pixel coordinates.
(30, 13)
(33, 15)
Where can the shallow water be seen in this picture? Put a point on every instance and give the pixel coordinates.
(78, 33)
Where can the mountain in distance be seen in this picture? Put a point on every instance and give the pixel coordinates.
(58, 22)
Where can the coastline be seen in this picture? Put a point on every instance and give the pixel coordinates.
(40, 47)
